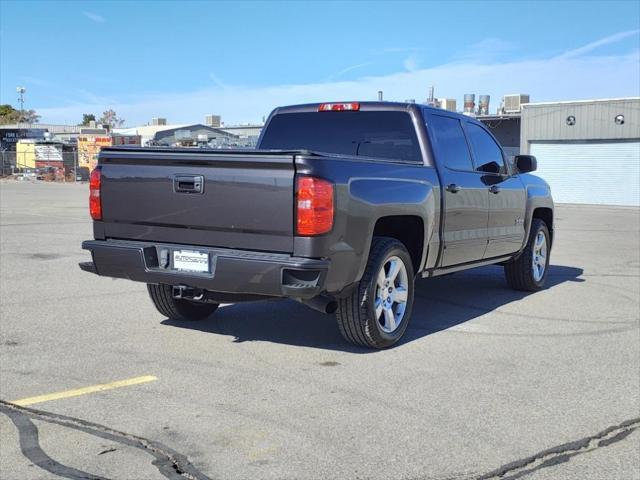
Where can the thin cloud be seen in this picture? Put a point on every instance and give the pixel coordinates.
(348, 69)
(399, 50)
(37, 81)
(86, 96)
(94, 17)
(411, 63)
(487, 49)
(217, 80)
(550, 79)
(616, 37)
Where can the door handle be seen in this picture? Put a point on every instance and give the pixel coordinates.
(494, 189)
(453, 188)
(188, 183)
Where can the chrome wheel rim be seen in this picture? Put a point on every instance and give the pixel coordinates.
(539, 263)
(392, 294)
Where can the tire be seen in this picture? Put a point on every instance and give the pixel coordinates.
(524, 272)
(178, 309)
(357, 319)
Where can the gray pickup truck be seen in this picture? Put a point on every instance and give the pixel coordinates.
(341, 207)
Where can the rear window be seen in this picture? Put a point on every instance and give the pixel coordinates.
(388, 135)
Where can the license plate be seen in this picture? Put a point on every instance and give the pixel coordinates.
(190, 261)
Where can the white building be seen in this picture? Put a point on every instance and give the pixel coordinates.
(588, 151)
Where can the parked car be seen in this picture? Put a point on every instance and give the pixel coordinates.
(46, 173)
(26, 174)
(342, 207)
(82, 174)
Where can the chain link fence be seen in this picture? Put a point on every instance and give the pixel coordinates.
(22, 167)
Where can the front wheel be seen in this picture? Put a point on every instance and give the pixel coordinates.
(178, 308)
(529, 271)
(377, 312)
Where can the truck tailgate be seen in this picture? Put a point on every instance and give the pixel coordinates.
(234, 199)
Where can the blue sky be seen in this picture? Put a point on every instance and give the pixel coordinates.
(183, 60)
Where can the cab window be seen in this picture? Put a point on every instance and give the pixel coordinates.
(376, 134)
(451, 142)
(488, 154)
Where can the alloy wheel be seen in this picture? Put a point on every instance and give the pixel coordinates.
(392, 293)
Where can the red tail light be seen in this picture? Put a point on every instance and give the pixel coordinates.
(95, 204)
(339, 107)
(314, 206)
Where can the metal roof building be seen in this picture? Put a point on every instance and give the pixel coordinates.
(245, 130)
(49, 127)
(194, 134)
(146, 132)
(171, 134)
(67, 134)
(506, 128)
(588, 150)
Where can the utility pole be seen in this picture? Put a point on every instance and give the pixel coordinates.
(431, 101)
(21, 91)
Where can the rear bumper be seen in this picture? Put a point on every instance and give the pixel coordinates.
(233, 271)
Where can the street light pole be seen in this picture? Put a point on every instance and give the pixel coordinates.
(21, 91)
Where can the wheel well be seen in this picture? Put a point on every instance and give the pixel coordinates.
(407, 229)
(546, 215)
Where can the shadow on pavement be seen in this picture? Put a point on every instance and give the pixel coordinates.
(440, 303)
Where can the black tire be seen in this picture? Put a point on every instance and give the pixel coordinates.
(520, 273)
(356, 313)
(178, 309)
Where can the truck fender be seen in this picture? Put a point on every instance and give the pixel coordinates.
(389, 197)
(538, 196)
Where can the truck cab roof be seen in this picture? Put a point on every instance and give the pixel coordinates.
(370, 106)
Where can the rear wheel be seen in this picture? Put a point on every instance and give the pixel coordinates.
(529, 271)
(377, 312)
(178, 308)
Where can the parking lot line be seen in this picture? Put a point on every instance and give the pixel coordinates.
(23, 402)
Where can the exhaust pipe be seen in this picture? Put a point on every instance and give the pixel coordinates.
(180, 292)
(321, 303)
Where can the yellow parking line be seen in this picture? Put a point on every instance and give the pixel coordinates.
(23, 402)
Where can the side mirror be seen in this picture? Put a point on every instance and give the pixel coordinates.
(490, 167)
(525, 163)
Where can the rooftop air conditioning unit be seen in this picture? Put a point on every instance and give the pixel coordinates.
(513, 103)
(447, 104)
(212, 120)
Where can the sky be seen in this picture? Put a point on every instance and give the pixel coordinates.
(182, 60)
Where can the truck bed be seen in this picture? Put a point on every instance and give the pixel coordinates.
(217, 198)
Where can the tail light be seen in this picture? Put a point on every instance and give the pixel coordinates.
(314, 206)
(95, 204)
(339, 107)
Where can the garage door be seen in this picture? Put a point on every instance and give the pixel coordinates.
(602, 173)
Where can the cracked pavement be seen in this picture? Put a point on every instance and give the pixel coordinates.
(489, 383)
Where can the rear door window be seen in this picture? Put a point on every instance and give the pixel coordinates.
(383, 134)
(452, 144)
(485, 149)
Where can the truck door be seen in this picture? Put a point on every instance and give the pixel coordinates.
(465, 198)
(507, 197)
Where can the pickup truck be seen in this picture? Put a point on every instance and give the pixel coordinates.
(341, 206)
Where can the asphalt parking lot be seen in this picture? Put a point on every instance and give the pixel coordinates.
(489, 383)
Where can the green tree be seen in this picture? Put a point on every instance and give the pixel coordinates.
(6, 109)
(8, 115)
(29, 116)
(86, 118)
(111, 119)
